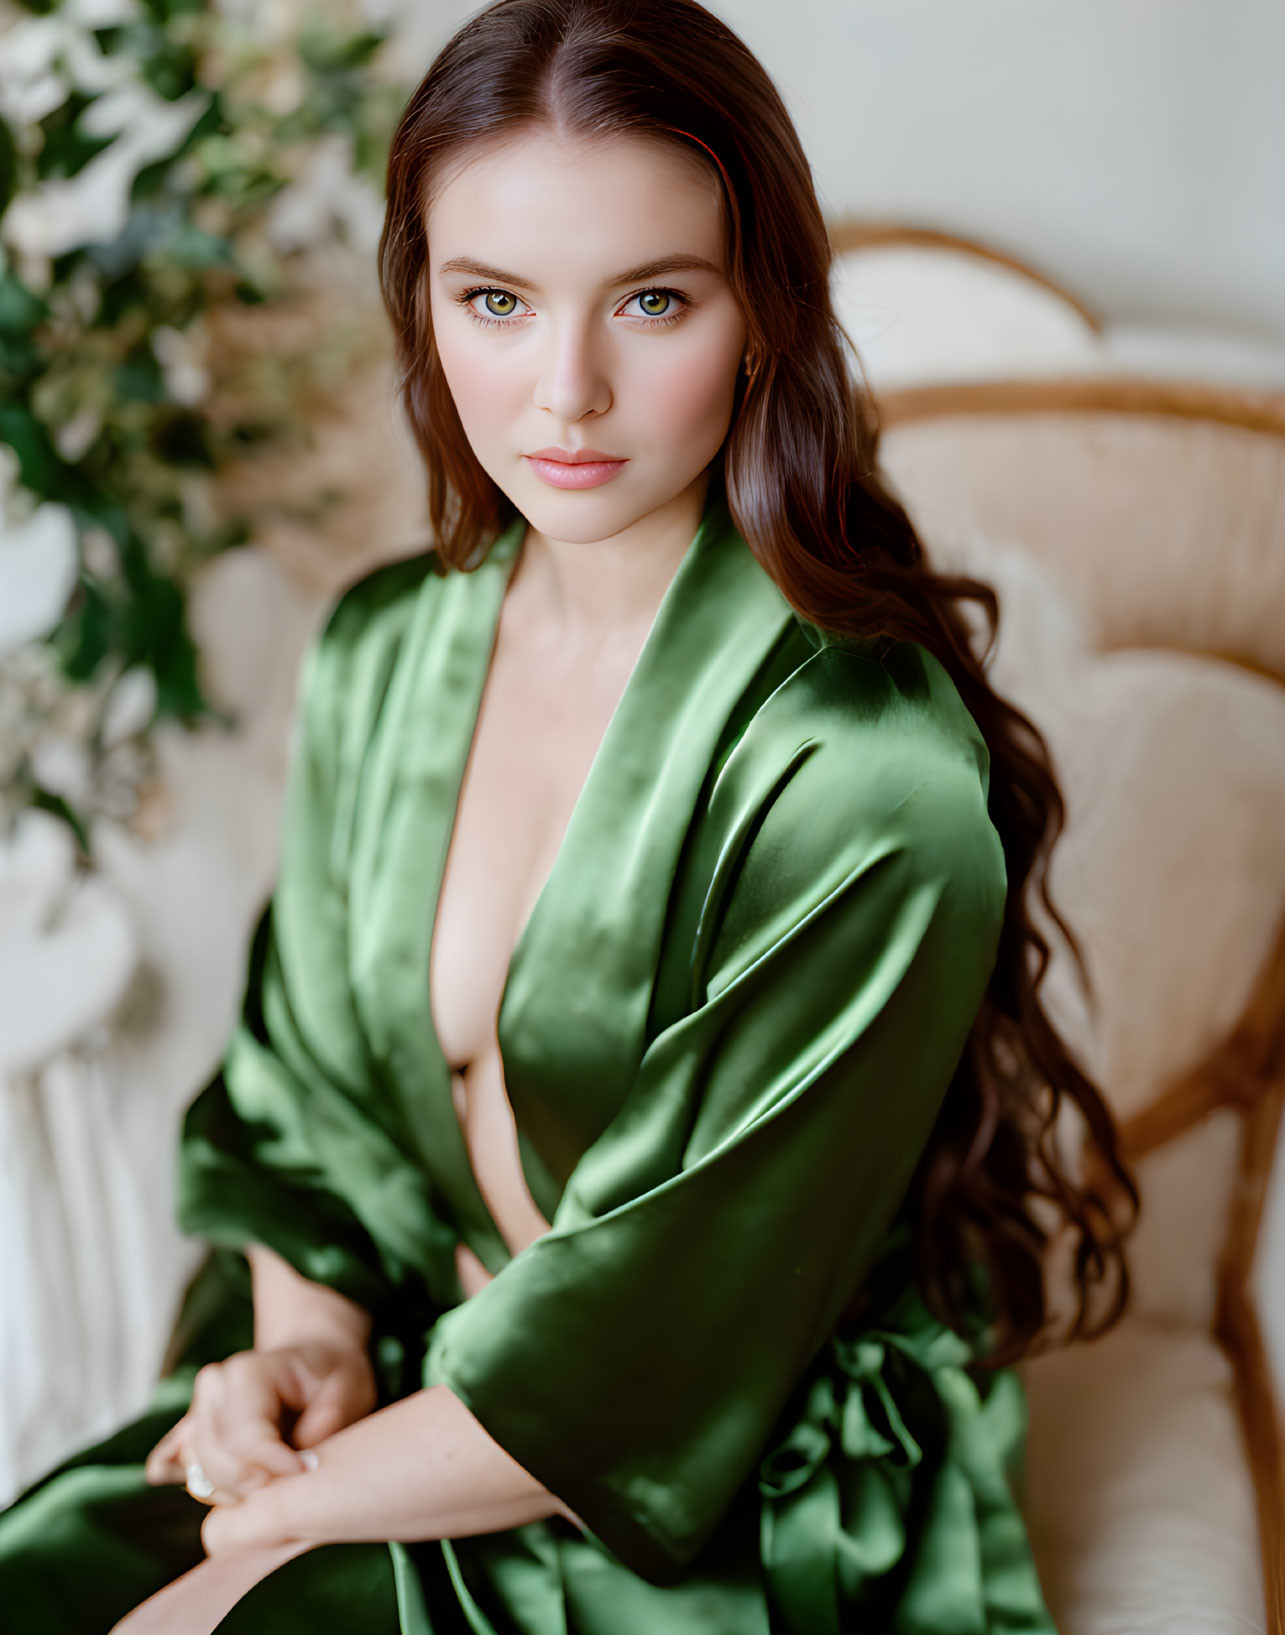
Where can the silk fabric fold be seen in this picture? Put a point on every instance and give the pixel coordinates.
(727, 1029)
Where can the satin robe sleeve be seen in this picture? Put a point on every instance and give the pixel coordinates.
(635, 1357)
(285, 1146)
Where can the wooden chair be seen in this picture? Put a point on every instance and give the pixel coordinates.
(1135, 528)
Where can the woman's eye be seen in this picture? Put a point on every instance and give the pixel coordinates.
(500, 306)
(669, 313)
(499, 319)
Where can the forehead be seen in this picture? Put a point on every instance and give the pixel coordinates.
(545, 205)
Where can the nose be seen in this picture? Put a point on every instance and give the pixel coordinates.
(573, 377)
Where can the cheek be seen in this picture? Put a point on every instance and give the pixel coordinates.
(694, 396)
(483, 383)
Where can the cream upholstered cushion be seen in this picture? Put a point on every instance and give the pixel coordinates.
(926, 309)
(1171, 873)
(1188, 1185)
(1173, 863)
(1139, 1499)
(1166, 532)
(922, 313)
(1171, 869)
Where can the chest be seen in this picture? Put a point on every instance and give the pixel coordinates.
(539, 726)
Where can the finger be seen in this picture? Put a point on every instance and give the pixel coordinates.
(252, 1478)
(250, 1526)
(234, 1471)
(206, 1442)
(338, 1403)
(260, 1389)
(330, 1390)
(161, 1458)
(237, 1439)
(225, 1529)
(258, 1450)
(164, 1463)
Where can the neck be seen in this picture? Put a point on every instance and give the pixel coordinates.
(596, 590)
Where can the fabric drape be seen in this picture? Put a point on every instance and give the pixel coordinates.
(727, 1028)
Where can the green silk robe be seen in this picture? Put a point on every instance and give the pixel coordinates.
(727, 1029)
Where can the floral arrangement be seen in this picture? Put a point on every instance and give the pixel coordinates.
(167, 168)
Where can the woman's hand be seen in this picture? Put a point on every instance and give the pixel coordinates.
(257, 1524)
(244, 1409)
(420, 1468)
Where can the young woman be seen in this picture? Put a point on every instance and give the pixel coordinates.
(630, 1173)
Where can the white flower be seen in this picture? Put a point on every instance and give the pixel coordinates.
(36, 868)
(273, 21)
(44, 59)
(62, 765)
(130, 705)
(187, 380)
(75, 436)
(38, 569)
(64, 212)
(99, 553)
(282, 86)
(327, 192)
(101, 13)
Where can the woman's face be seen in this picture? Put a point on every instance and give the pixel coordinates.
(583, 350)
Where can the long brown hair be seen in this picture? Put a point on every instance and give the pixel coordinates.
(800, 472)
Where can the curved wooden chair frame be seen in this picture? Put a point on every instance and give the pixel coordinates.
(851, 233)
(1247, 1069)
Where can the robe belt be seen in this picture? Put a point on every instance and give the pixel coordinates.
(836, 1490)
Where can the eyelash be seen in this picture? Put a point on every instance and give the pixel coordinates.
(505, 323)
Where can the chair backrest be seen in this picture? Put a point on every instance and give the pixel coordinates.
(1135, 530)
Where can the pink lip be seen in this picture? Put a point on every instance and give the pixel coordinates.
(584, 470)
(571, 456)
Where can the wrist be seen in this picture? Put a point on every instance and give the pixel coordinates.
(267, 1518)
(290, 1309)
(312, 1331)
(302, 1507)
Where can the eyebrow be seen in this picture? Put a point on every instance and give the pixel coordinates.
(632, 275)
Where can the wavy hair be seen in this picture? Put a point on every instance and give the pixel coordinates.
(800, 472)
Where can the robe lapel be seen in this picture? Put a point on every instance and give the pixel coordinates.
(407, 798)
(573, 1017)
(574, 1008)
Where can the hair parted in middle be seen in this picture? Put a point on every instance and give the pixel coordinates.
(799, 469)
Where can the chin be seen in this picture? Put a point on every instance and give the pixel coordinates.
(578, 517)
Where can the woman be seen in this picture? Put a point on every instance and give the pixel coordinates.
(623, 1175)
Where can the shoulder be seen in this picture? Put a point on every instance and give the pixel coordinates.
(855, 767)
(345, 665)
(378, 599)
(853, 809)
(880, 749)
(363, 623)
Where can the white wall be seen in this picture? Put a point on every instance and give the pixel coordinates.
(1133, 149)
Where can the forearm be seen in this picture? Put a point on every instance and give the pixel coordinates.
(421, 1468)
(290, 1308)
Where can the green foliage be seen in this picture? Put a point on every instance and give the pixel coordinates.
(105, 373)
